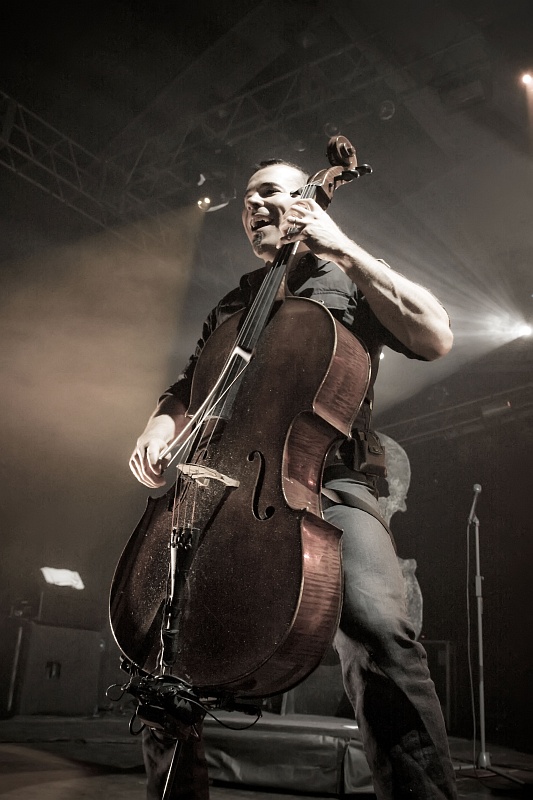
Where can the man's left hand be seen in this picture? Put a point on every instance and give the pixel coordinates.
(305, 221)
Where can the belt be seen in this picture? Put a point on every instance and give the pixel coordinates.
(332, 498)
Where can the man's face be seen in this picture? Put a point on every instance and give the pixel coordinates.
(267, 198)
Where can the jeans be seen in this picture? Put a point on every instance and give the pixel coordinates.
(191, 781)
(384, 668)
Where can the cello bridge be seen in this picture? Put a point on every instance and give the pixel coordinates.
(202, 475)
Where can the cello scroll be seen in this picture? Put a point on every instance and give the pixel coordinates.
(344, 168)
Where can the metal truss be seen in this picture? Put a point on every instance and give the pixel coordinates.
(160, 166)
(464, 418)
(347, 77)
(95, 188)
(146, 182)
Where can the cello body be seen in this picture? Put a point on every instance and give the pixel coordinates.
(261, 601)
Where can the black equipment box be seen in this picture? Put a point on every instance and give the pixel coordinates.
(48, 670)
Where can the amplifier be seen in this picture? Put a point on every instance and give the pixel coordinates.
(48, 670)
(61, 606)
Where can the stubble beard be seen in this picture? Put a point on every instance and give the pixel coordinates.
(257, 242)
(264, 245)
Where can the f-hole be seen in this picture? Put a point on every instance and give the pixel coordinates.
(269, 510)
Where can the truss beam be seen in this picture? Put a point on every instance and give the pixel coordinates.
(56, 164)
(463, 418)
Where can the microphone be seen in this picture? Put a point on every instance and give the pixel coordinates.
(477, 492)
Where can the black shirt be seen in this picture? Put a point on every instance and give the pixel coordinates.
(324, 282)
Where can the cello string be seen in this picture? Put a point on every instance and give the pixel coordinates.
(269, 283)
(184, 508)
(266, 288)
(192, 421)
(201, 415)
(168, 589)
(178, 514)
(202, 411)
(267, 292)
(273, 279)
(197, 420)
(254, 322)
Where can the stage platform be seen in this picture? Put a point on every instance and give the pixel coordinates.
(296, 752)
(58, 758)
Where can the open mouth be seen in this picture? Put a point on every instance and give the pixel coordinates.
(260, 222)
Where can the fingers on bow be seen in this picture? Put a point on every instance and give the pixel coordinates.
(146, 473)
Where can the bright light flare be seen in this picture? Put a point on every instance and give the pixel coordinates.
(527, 79)
(63, 577)
(505, 328)
(207, 204)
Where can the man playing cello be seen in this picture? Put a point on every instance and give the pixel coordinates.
(385, 669)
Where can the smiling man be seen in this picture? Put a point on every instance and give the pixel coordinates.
(385, 669)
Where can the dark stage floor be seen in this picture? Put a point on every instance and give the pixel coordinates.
(55, 758)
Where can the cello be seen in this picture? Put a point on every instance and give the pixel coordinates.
(232, 580)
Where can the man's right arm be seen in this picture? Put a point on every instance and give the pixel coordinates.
(167, 420)
(163, 426)
(169, 417)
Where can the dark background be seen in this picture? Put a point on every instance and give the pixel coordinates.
(108, 272)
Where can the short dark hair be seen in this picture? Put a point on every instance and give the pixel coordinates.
(272, 162)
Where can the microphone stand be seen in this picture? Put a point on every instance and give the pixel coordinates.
(483, 760)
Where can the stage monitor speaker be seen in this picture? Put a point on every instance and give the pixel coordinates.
(66, 607)
(49, 670)
(62, 606)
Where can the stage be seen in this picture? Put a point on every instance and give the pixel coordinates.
(55, 758)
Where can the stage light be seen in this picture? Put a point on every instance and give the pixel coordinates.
(386, 110)
(495, 408)
(527, 78)
(507, 328)
(216, 193)
(62, 577)
(215, 202)
(331, 129)
(204, 203)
